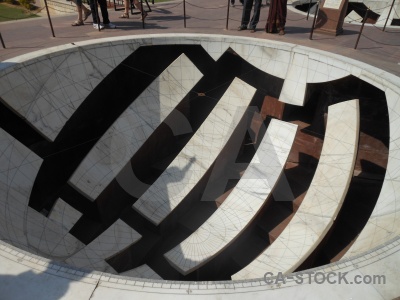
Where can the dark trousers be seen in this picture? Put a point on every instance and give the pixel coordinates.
(103, 8)
(248, 5)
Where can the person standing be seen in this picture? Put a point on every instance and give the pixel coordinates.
(104, 14)
(248, 5)
(276, 17)
(138, 5)
(82, 9)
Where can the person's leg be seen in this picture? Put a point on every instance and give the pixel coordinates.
(95, 17)
(78, 22)
(86, 12)
(125, 15)
(270, 26)
(248, 5)
(140, 7)
(104, 11)
(282, 12)
(79, 7)
(104, 14)
(256, 14)
(85, 9)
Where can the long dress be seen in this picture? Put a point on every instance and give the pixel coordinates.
(276, 16)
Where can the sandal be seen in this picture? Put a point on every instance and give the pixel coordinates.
(124, 16)
(77, 23)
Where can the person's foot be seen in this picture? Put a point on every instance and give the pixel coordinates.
(124, 16)
(86, 15)
(233, 3)
(252, 30)
(281, 32)
(242, 27)
(78, 23)
(96, 26)
(110, 26)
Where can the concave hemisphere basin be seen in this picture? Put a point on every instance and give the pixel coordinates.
(196, 158)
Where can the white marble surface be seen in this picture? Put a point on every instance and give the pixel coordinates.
(353, 17)
(18, 170)
(215, 49)
(115, 239)
(197, 156)
(384, 16)
(242, 204)
(380, 7)
(47, 91)
(128, 133)
(294, 86)
(384, 222)
(278, 59)
(143, 271)
(23, 276)
(295, 66)
(19, 224)
(322, 68)
(64, 214)
(323, 199)
(274, 60)
(49, 238)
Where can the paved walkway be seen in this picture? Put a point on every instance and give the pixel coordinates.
(378, 48)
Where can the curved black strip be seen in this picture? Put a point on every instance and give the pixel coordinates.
(16, 126)
(365, 186)
(97, 113)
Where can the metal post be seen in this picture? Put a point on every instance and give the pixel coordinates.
(2, 42)
(390, 11)
(227, 16)
(48, 16)
(309, 7)
(184, 13)
(315, 18)
(142, 12)
(362, 27)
